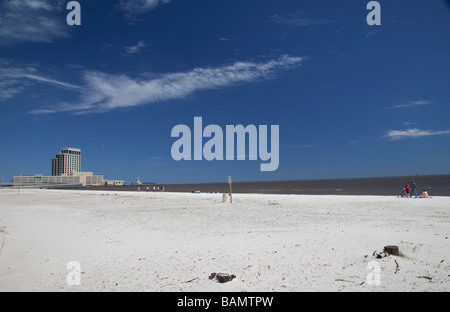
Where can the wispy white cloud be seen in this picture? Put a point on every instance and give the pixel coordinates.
(303, 146)
(412, 133)
(226, 39)
(372, 32)
(104, 92)
(11, 73)
(10, 88)
(132, 8)
(135, 48)
(30, 21)
(155, 157)
(15, 78)
(412, 104)
(299, 19)
(50, 81)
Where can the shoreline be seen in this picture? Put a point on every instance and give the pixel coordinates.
(437, 185)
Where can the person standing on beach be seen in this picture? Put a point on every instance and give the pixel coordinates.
(413, 189)
(407, 190)
(403, 192)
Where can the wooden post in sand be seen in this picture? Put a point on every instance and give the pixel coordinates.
(231, 196)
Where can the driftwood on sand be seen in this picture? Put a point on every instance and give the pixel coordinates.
(2, 230)
(222, 277)
(5, 232)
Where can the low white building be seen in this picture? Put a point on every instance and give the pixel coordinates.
(77, 178)
(114, 182)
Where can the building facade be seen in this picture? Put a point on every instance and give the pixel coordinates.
(114, 182)
(39, 178)
(67, 161)
(78, 178)
(66, 169)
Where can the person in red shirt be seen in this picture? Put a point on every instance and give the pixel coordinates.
(407, 189)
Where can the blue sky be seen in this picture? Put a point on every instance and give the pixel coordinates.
(351, 100)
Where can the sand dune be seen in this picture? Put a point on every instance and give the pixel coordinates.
(129, 241)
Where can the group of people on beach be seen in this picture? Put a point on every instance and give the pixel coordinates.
(410, 190)
(155, 189)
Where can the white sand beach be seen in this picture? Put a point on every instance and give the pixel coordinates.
(130, 241)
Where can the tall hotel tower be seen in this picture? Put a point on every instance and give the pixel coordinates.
(68, 160)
